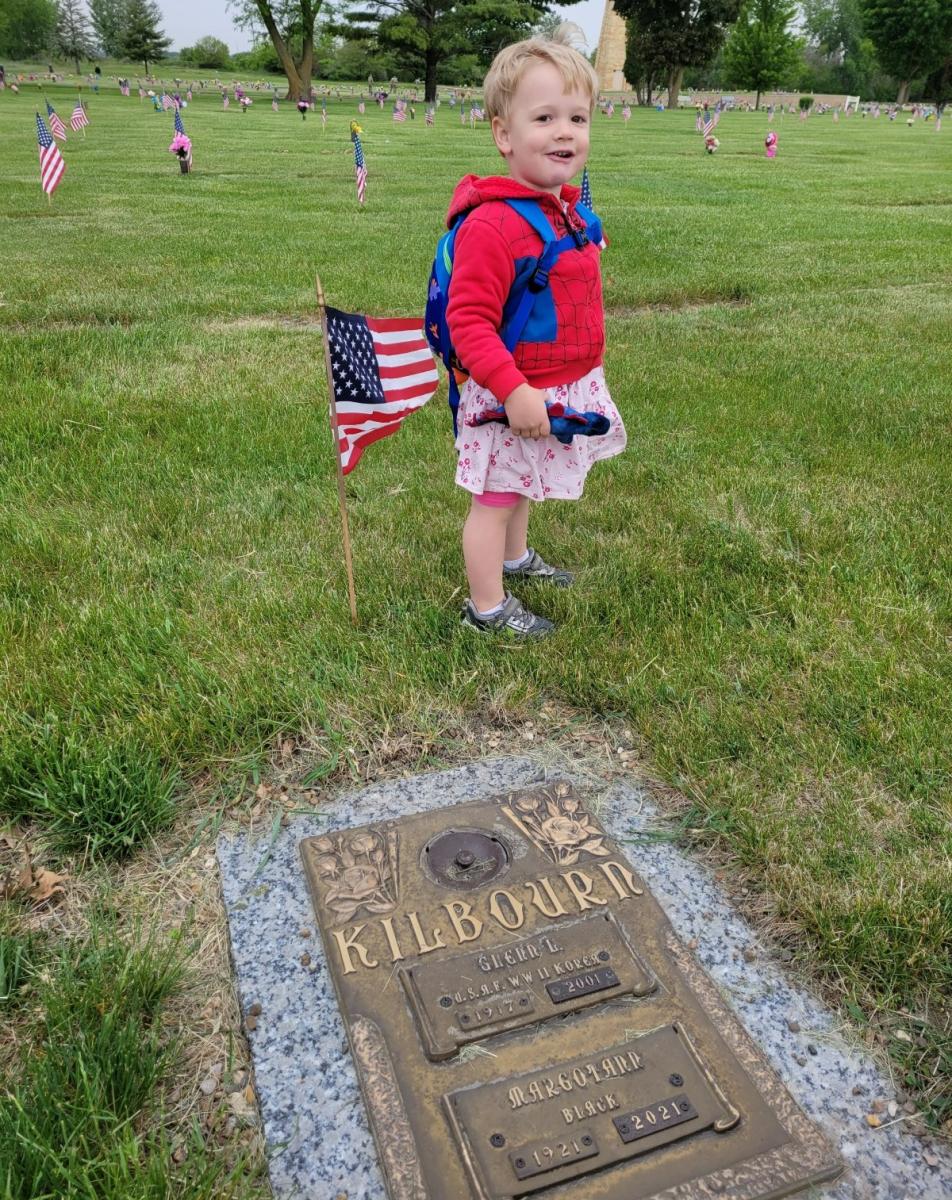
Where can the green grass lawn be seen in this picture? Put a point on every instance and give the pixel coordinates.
(764, 587)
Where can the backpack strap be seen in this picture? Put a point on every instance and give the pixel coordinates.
(552, 247)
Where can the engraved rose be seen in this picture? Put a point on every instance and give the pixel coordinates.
(327, 864)
(363, 843)
(357, 883)
(564, 831)
(557, 823)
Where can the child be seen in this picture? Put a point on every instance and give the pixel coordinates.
(539, 96)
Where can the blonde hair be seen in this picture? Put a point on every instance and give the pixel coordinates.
(512, 62)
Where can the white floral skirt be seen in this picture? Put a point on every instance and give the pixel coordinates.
(493, 459)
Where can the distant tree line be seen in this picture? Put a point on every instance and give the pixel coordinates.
(858, 47)
(73, 30)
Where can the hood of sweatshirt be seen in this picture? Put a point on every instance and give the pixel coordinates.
(473, 190)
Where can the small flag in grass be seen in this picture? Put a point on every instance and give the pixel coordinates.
(383, 370)
(78, 119)
(52, 166)
(57, 128)
(359, 165)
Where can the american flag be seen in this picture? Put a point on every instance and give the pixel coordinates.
(274, 104)
(429, 116)
(124, 89)
(699, 122)
(710, 120)
(141, 93)
(626, 112)
(360, 167)
(78, 119)
(361, 108)
(476, 113)
(586, 196)
(609, 109)
(167, 101)
(383, 370)
(399, 112)
(57, 128)
(180, 128)
(52, 166)
(224, 100)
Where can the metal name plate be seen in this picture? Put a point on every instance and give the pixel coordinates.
(590, 1102)
(464, 997)
(524, 1021)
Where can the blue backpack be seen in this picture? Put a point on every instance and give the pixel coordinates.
(529, 308)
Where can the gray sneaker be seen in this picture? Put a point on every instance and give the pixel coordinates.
(512, 616)
(537, 568)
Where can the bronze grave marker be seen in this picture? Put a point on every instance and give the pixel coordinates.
(525, 1022)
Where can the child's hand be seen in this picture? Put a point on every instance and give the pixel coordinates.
(525, 408)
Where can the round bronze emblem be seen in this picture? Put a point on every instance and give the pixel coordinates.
(465, 858)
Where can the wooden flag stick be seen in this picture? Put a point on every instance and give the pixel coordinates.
(341, 491)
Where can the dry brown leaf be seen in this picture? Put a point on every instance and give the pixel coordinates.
(44, 886)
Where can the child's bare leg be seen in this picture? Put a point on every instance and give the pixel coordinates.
(517, 531)
(484, 548)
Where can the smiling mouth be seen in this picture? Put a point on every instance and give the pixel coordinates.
(563, 154)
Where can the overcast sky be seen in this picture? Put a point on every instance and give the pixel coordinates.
(185, 21)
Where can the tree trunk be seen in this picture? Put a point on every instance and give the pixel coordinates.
(429, 83)
(675, 77)
(649, 88)
(903, 91)
(757, 102)
(76, 61)
(298, 89)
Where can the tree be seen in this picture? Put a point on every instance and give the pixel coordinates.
(761, 52)
(207, 52)
(290, 26)
(427, 33)
(838, 43)
(644, 62)
(938, 87)
(141, 37)
(680, 33)
(912, 37)
(27, 27)
(74, 36)
(109, 20)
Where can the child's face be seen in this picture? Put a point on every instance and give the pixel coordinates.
(544, 138)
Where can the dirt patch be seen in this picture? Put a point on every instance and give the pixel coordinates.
(686, 305)
(272, 321)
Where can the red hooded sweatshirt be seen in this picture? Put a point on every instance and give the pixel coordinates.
(489, 243)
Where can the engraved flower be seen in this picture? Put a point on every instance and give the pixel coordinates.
(571, 804)
(362, 843)
(360, 882)
(527, 804)
(564, 831)
(327, 864)
(323, 845)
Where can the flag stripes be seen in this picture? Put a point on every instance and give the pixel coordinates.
(383, 370)
(57, 128)
(52, 166)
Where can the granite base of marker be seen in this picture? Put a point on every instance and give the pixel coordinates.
(320, 1146)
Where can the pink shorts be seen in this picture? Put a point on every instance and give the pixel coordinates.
(498, 499)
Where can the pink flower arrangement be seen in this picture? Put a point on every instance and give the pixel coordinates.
(180, 145)
(245, 101)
